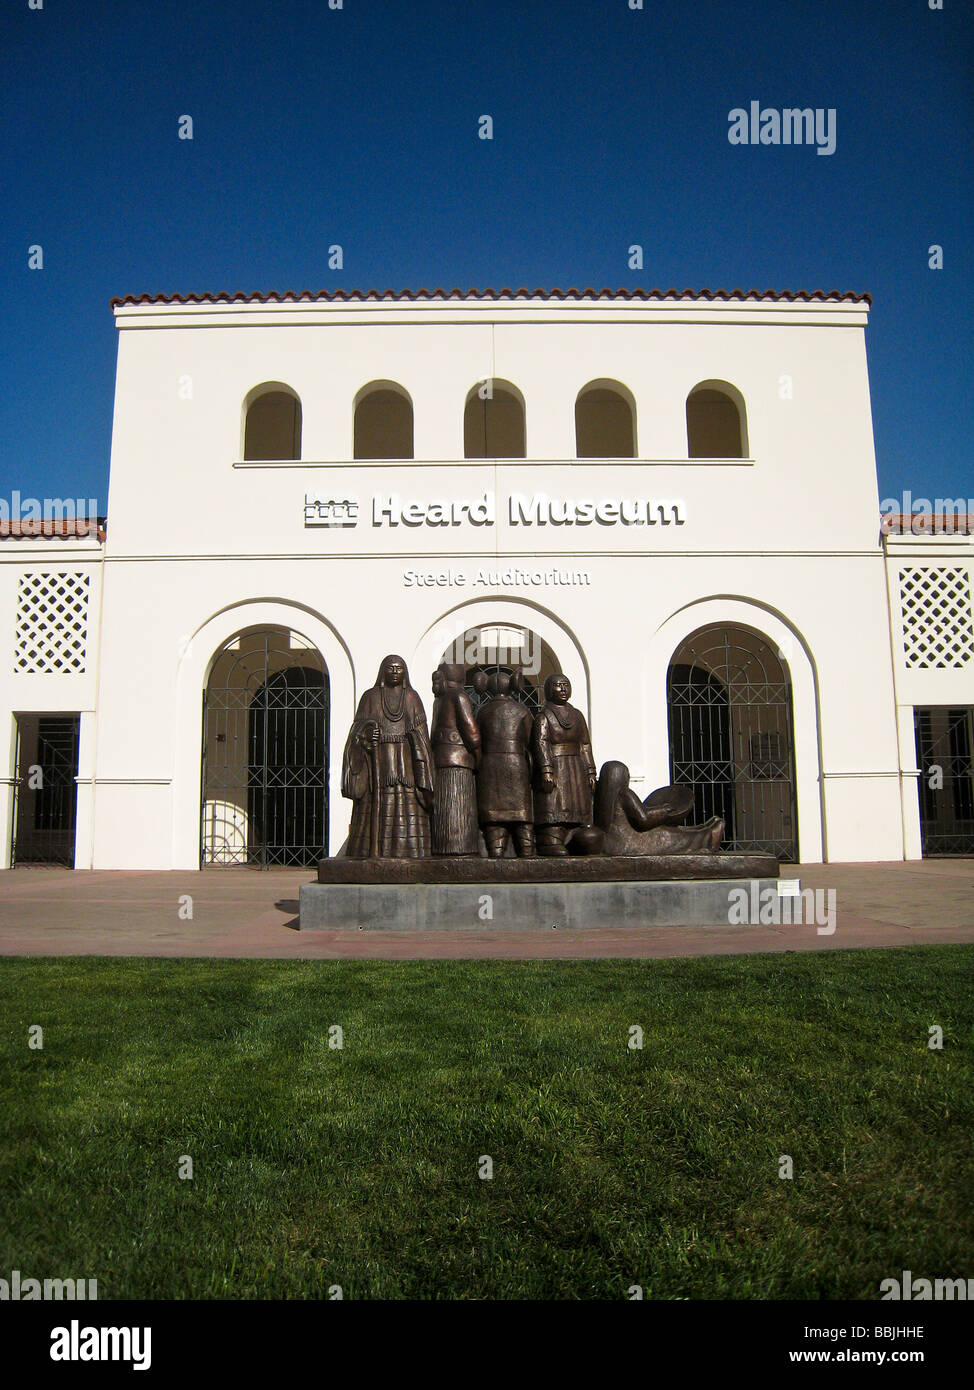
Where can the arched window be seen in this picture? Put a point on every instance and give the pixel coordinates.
(716, 422)
(383, 422)
(605, 422)
(493, 422)
(272, 429)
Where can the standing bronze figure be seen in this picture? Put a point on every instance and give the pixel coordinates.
(455, 741)
(387, 770)
(564, 768)
(504, 800)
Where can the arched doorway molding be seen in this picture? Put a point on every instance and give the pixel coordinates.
(200, 650)
(489, 610)
(795, 657)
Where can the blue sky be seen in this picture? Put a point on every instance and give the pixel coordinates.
(358, 126)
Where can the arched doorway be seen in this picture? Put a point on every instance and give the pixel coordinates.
(265, 752)
(731, 736)
(504, 647)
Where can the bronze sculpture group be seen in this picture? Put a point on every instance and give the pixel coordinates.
(498, 771)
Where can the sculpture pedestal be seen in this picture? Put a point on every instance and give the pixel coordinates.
(591, 893)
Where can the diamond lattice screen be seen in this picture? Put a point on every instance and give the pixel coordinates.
(52, 623)
(938, 627)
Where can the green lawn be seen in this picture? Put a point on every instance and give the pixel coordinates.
(612, 1167)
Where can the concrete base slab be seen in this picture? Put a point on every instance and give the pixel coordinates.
(482, 907)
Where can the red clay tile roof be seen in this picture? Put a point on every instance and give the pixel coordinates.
(927, 524)
(72, 528)
(308, 296)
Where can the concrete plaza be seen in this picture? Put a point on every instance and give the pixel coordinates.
(242, 912)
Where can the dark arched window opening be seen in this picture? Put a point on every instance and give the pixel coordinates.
(605, 423)
(715, 425)
(493, 423)
(383, 424)
(273, 426)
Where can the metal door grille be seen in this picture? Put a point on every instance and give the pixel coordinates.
(944, 745)
(265, 754)
(46, 807)
(731, 738)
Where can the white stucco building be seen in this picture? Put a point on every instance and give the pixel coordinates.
(670, 497)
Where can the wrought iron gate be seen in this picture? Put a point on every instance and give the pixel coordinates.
(731, 737)
(945, 745)
(46, 793)
(265, 753)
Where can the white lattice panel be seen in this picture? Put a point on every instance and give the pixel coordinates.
(52, 623)
(938, 626)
